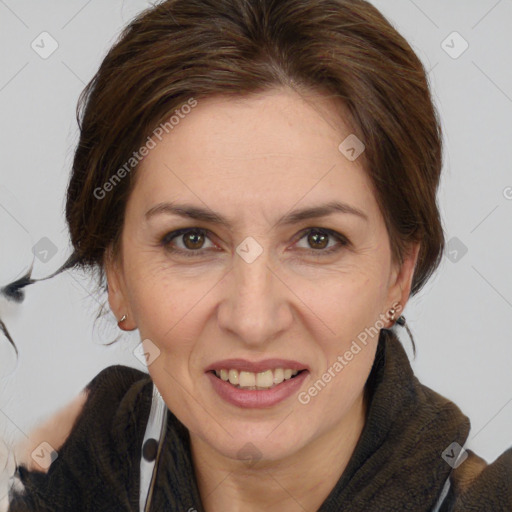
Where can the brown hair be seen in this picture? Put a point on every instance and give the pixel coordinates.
(183, 49)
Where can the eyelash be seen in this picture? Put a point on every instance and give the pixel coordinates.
(167, 239)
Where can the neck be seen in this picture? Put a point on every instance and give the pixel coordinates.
(300, 482)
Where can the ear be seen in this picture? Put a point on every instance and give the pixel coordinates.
(117, 296)
(400, 283)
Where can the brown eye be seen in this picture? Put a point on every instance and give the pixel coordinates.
(186, 242)
(193, 240)
(318, 239)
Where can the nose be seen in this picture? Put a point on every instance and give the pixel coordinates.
(255, 305)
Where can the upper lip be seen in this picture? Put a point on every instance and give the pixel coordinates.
(256, 366)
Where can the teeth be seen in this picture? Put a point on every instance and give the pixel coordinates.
(233, 377)
(250, 380)
(278, 375)
(246, 379)
(265, 379)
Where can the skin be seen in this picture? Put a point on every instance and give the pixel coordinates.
(253, 160)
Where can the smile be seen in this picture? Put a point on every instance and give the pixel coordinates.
(267, 379)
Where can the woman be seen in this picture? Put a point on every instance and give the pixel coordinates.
(255, 182)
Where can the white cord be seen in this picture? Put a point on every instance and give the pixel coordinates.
(442, 497)
(155, 429)
(447, 484)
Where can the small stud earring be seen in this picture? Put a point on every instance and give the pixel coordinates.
(400, 320)
(123, 318)
(392, 312)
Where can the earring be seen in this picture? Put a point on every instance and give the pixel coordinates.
(400, 320)
(123, 318)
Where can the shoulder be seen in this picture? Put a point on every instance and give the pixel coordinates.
(477, 485)
(94, 465)
(114, 380)
(108, 390)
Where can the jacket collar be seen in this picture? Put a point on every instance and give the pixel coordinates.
(397, 464)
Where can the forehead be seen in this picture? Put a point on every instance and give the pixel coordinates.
(271, 150)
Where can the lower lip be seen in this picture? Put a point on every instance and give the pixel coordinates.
(257, 398)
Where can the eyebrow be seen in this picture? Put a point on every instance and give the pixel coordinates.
(206, 215)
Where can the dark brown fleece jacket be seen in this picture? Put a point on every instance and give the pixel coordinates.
(397, 465)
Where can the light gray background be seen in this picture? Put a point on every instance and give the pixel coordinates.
(462, 319)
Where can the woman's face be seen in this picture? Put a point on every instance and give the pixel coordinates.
(266, 288)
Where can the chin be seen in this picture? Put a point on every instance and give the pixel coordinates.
(257, 442)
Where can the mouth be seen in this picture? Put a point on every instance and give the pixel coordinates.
(256, 384)
(257, 390)
(264, 380)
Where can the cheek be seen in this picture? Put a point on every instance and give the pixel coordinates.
(330, 395)
(351, 308)
(162, 309)
(157, 298)
(347, 302)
